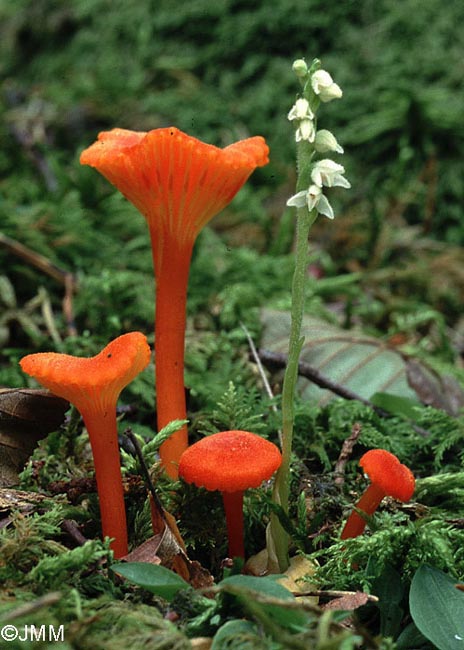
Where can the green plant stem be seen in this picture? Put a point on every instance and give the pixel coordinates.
(278, 538)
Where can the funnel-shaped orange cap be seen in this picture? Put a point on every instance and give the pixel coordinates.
(91, 384)
(176, 181)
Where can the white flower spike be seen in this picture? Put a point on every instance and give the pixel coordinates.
(329, 173)
(324, 86)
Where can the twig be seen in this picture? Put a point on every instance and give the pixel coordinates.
(330, 593)
(34, 154)
(145, 473)
(24, 135)
(29, 608)
(279, 360)
(262, 373)
(257, 360)
(345, 453)
(70, 527)
(41, 262)
(259, 597)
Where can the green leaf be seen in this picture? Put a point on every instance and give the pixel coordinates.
(388, 587)
(236, 632)
(242, 587)
(437, 608)
(411, 638)
(152, 577)
(397, 405)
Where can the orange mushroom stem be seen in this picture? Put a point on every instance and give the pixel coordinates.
(172, 273)
(388, 478)
(231, 462)
(178, 183)
(93, 385)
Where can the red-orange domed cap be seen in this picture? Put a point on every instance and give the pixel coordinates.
(230, 461)
(386, 471)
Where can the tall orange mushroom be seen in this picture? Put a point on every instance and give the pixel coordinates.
(388, 477)
(178, 183)
(93, 385)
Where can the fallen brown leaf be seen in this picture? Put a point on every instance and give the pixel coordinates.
(26, 416)
(347, 602)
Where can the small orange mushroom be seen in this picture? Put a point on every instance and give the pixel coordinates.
(388, 478)
(178, 183)
(231, 462)
(93, 385)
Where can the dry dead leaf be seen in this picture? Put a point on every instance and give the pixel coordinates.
(257, 565)
(347, 602)
(201, 643)
(146, 552)
(171, 549)
(29, 410)
(21, 500)
(440, 391)
(11, 499)
(297, 577)
(26, 416)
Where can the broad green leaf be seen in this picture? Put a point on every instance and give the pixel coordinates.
(244, 586)
(411, 639)
(152, 577)
(396, 405)
(389, 589)
(361, 363)
(437, 608)
(239, 631)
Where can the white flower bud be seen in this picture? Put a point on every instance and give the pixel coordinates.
(324, 86)
(300, 68)
(326, 141)
(305, 131)
(329, 173)
(300, 110)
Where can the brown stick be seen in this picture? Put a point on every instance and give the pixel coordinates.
(70, 527)
(345, 454)
(330, 593)
(41, 262)
(279, 360)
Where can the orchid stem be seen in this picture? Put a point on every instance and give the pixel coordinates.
(172, 265)
(278, 538)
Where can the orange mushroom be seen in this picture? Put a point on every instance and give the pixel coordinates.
(178, 183)
(388, 478)
(93, 385)
(231, 462)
